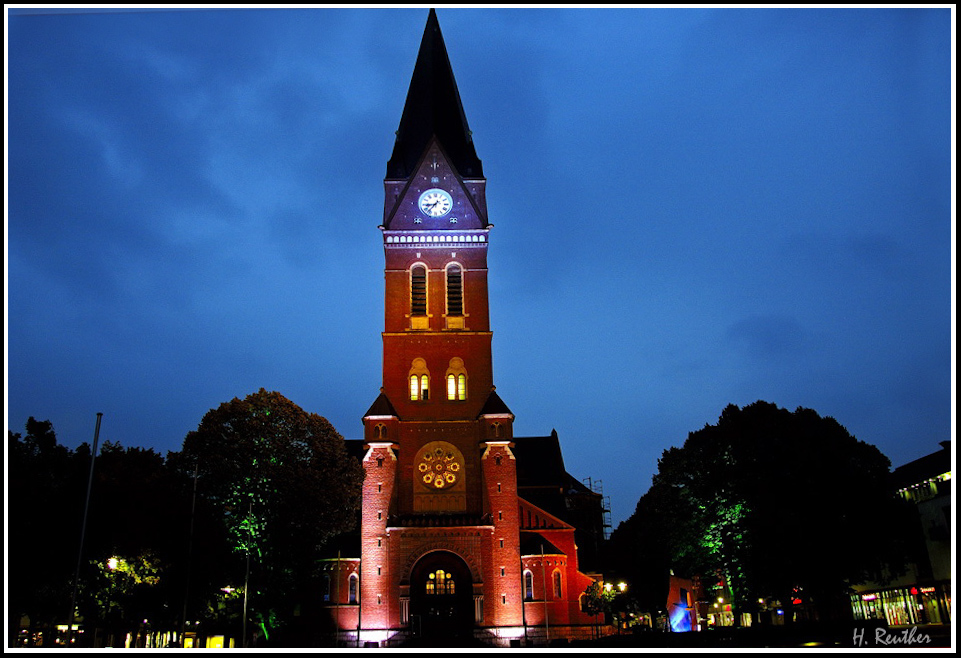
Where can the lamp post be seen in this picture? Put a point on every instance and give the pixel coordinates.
(112, 563)
(547, 625)
(250, 511)
(621, 588)
(190, 549)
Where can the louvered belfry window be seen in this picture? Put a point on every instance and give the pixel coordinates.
(418, 290)
(455, 290)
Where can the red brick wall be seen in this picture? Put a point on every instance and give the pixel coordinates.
(380, 467)
(502, 593)
(337, 600)
(399, 259)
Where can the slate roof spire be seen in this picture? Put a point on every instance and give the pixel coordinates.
(433, 108)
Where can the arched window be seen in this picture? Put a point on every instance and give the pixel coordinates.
(528, 586)
(456, 380)
(457, 387)
(380, 431)
(418, 290)
(352, 588)
(455, 289)
(326, 587)
(558, 592)
(419, 379)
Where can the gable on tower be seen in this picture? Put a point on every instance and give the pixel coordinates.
(409, 205)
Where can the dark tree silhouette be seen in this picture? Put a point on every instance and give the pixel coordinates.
(45, 489)
(136, 511)
(784, 506)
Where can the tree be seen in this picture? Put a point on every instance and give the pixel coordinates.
(45, 488)
(122, 592)
(137, 522)
(780, 505)
(136, 505)
(279, 483)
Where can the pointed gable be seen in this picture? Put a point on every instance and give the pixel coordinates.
(381, 407)
(434, 169)
(533, 543)
(433, 107)
(494, 406)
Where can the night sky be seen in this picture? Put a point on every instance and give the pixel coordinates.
(692, 208)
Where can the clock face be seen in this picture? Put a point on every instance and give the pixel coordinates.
(435, 203)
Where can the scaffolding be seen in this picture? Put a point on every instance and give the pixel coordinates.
(597, 486)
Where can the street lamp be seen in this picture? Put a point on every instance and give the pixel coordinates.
(112, 563)
(622, 615)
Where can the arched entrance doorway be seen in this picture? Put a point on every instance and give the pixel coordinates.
(442, 596)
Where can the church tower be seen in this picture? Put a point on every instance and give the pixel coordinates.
(440, 538)
(467, 532)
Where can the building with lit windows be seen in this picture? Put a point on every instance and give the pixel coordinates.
(466, 531)
(922, 595)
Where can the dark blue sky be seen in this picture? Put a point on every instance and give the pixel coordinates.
(692, 208)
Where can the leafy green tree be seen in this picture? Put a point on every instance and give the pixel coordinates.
(599, 599)
(120, 592)
(782, 505)
(278, 483)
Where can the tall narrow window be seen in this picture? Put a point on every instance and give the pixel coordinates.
(456, 380)
(528, 585)
(419, 380)
(455, 290)
(352, 588)
(418, 290)
(557, 585)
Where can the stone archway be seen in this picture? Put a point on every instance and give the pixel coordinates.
(442, 596)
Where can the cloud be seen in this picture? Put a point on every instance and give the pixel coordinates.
(769, 337)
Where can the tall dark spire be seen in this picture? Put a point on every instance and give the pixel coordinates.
(433, 108)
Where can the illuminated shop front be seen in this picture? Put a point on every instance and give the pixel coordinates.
(922, 593)
(905, 605)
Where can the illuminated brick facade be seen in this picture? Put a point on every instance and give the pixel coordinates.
(441, 531)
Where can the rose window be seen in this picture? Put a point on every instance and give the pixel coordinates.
(438, 468)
